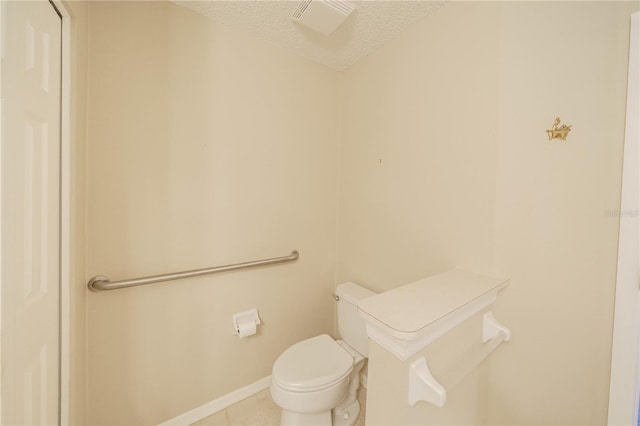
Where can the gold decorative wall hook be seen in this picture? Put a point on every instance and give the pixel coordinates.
(558, 131)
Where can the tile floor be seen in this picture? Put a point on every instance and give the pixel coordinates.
(260, 410)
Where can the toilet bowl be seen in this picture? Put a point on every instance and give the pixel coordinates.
(315, 381)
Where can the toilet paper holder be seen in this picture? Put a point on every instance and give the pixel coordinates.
(245, 323)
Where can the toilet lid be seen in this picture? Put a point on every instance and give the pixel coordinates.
(312, 364)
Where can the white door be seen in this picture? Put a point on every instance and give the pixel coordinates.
(30, 212)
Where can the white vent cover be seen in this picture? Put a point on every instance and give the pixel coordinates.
(324, 16)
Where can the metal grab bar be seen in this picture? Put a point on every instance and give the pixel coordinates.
(102, 283)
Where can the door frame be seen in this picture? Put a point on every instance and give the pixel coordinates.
(624, 390)
(65, 215)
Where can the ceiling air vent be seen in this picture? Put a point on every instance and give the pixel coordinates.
(323, 16)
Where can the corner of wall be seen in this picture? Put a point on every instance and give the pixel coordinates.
(340, 126)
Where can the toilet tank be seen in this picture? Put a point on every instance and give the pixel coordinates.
(351, 326)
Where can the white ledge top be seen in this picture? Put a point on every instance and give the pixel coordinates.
(431, 305)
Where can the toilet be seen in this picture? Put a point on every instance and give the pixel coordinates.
(315, 381)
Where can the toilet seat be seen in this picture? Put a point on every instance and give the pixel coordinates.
(311, 365)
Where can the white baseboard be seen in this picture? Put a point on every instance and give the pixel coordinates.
(227, 400)
(218, 404)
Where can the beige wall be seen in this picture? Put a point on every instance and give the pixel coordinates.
(205, 147)
(417, 183)
(445, 162)
(553, 236)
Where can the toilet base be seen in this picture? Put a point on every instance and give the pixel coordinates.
(346, 416)
(290, 418)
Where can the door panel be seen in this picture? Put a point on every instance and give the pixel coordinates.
(30, 212)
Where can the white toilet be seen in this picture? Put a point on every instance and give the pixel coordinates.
(315, 381)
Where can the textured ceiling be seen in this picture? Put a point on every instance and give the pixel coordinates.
(371, 25)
